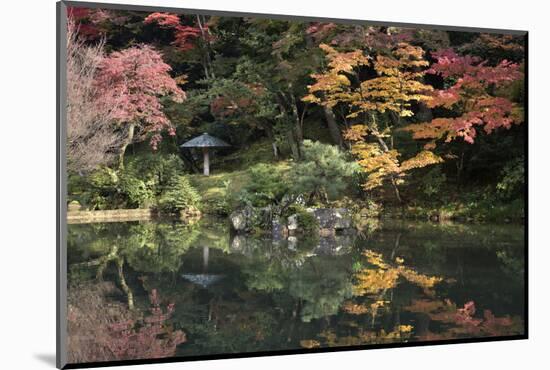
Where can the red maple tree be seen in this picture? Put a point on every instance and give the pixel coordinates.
(472, 91)
(134, 79)
(184, 36)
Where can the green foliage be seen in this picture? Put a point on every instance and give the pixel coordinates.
(100, 189)
(266, 185)
(470, 205)
(104, 178)
(138, 194)
(218, 191)
(152, 247)
(307, 222)
(512, 181)
(146, 180)
(178, 195)
(156, 170)
(247, 83)
(433, 181)
(323, 171)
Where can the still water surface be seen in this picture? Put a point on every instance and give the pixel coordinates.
(222, 293)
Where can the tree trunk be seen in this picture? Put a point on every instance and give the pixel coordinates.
(393, 182)
(123, 284)
(333, 126)
(396, 190)
(207, 60)
(128, 141)
(459, 169)
(271, 136)
(294, 145)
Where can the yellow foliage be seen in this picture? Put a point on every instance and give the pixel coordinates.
(396, 85)
(310, 343)
(399, 333)
(374, 281)
(356, 133)
(375, 259)
(376, 162)
(436, 129)
(385, 276)
(355, 309)
(419, 279)
(422, 159)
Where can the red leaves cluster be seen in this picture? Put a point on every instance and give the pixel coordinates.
(489, 324)
(132, 81)
(151, 340)
(100, 329)
(471, 72)
(465, 314)
(84, 17)
(166, 20)
(91, 22)
(320, 31)
(471, 94)
(184, 36)
(462, 321)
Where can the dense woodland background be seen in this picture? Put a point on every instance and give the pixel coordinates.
(421, 123)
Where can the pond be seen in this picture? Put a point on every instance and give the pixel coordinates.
(198, 289)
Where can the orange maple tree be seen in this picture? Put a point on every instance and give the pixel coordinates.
(394, 88)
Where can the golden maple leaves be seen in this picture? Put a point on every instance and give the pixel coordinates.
(396, 85)
(393, 89)
(373, 282)
(381, 164)
(385, 276)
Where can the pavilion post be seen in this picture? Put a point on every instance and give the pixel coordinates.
(206, 162)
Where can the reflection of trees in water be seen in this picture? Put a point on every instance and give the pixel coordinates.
(102, 329)
(317, 281)
(460, 322)
(278, 294)
(374, 304)
(145, 247)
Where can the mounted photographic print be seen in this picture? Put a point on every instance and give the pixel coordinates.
(235, 185)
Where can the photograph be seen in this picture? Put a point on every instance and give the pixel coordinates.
(251, 184)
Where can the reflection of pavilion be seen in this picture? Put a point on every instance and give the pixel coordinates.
(203, 279)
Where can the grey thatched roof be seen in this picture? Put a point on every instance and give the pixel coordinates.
(203, 141)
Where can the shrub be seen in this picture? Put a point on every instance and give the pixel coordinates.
(512, 181)
(144, 178)
(157, 171)
(433, 181)
(101, 189)
(306, 221)
(178, 195)
(323, 171)
(267, 185)
(137, 193)
(104, 179)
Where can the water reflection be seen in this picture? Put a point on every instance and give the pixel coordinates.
(203, 279)
(224, 293)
